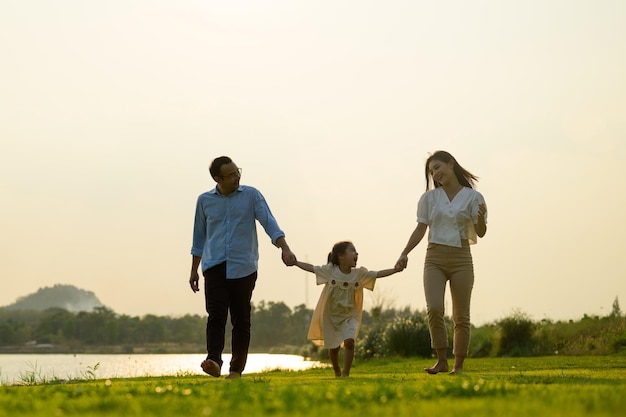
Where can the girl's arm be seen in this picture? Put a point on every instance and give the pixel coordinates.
(387, 272)
(305, 266)
(416, 237)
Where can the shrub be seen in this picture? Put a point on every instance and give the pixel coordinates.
(403, 336)
(371, 345)
(408, 337)
(481, 343)
(515, 335)
(591, 335)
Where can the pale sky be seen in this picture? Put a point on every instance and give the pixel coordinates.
(110, 113)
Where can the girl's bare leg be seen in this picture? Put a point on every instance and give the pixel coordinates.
(442, 362)
(333, 354)
(348, 356)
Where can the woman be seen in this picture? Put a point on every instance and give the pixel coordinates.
(455, 214)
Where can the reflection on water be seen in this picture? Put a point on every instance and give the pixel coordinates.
(15, 368)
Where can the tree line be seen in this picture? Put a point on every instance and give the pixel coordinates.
(276, 328)
(274, 324)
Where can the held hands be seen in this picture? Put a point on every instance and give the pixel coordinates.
(386, 272)
(289, 258)
(401, 263)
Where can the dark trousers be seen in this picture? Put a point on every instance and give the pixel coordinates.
(222, 295)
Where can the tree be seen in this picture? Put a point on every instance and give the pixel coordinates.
(617, 311)
(56, 325)
(271, 324)
(98, 327)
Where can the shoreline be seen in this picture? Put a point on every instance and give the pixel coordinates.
(157, 348)
(164, 348)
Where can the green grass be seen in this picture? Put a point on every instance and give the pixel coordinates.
(548, 386)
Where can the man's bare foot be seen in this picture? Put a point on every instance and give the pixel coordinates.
(438, 367)
(456, 371)
(211, 367)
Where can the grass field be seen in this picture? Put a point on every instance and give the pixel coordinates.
(548, 386)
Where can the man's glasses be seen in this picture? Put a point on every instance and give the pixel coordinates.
(232, 176)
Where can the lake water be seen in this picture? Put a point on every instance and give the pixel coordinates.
(16, 368)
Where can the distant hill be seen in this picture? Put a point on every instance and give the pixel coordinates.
(67, 297)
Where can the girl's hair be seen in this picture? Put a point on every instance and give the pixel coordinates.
(338, 249)
(466, 178)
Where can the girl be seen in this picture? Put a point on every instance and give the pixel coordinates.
(337, 317)
(455, 214)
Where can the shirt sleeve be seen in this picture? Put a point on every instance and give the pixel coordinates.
(264, 215)
(199, 230)
(477, 200)
(367, 278)
(323, 273)
(423, 208)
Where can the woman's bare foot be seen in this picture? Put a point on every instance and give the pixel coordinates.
(458, 365)
(438, 367)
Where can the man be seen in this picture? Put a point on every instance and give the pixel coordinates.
(225, 245)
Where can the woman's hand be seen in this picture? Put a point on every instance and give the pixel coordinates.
(480, 226)
(402, 263)
(482, 209)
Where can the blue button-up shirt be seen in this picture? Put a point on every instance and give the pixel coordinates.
(225, 230)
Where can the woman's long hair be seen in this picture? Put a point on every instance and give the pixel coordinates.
(466, 178)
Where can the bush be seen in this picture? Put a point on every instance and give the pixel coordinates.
(403, 336)
(590, 336)
(481, 343)
(515, 335)
(408, 337)
(372, 344)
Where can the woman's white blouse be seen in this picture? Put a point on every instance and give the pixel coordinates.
(450, 221)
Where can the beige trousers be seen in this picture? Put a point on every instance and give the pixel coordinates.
(447, 263)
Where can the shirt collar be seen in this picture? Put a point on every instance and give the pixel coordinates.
(216, 191)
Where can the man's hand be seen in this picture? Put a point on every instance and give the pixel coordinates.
(289, 258)
(193, 281)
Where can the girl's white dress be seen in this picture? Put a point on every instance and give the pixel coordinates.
(337, 316)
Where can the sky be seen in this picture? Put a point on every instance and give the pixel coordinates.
(111, 112)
